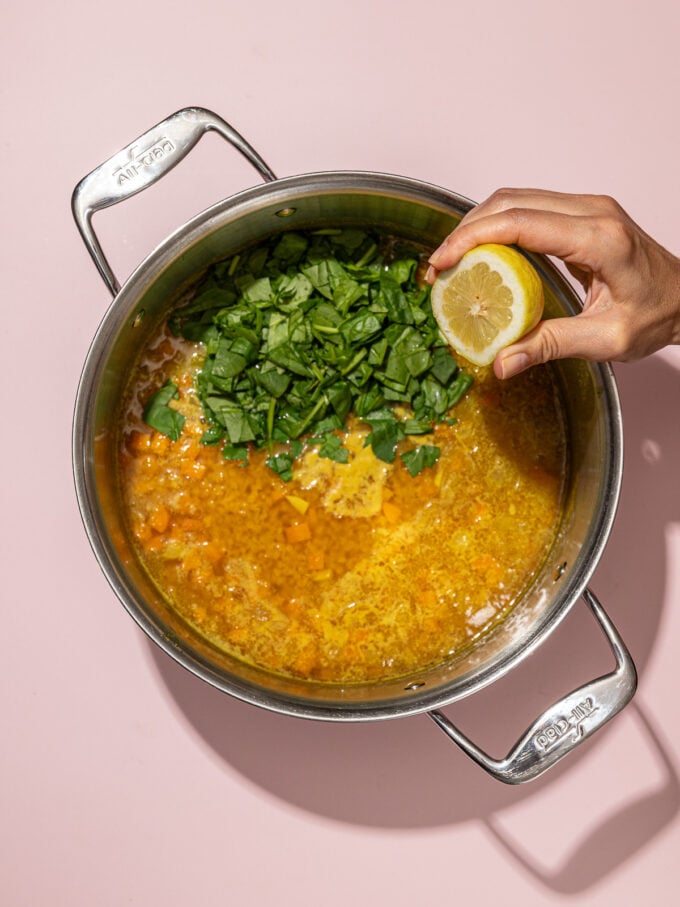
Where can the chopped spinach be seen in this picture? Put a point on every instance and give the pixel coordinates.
(159, 415)
(331, 448)
(303, 330)
(234, 452)
(417, 459)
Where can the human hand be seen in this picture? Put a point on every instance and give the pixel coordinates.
(632, 284)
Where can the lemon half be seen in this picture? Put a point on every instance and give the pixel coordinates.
(490, 299)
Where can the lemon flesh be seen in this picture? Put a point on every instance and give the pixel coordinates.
(490, 299)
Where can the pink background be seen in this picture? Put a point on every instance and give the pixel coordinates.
(124, 780)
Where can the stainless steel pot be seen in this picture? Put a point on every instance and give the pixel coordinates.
(417, 211)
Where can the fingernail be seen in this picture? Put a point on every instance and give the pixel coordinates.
(438, 251)
(430, 274)
(512, 365)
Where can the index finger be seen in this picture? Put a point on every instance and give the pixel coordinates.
(539, 200)
(546, 232)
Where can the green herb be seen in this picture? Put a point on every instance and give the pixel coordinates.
(417, 459)
(308, 328)
(331, 449)
(162, 417)
(213, 435)
(234, 452)
(387, 432)
(282, 464)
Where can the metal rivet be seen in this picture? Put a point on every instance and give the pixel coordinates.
(286, 212)
(415, 686)
(559, 573)
(139, 317)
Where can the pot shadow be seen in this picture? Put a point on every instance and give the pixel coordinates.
(616, 838)
(401, 774)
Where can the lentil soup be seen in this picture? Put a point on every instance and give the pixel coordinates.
(349, 572)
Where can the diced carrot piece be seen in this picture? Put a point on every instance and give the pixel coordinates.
(191, 560)
(159, 443)
(160, 518)
(391, 512)
(139, 441)
(298, 532)
(213, 552)
(189, 524)
(191, 468)
(293, 608)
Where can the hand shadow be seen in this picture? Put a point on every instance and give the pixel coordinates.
(401, 774)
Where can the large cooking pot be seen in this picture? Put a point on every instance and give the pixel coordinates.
(416, 211)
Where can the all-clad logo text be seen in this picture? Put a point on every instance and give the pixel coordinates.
(138, 161)
(550, 735)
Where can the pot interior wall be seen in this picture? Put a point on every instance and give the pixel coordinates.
(414, 211)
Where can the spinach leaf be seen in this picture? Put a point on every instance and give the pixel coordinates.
(332, 449)
(160, 416)
(444, 366)
(360, 328)
(290, 248)
(235, 452)
(420, 457)
(282, 465)
(386, 433)
(274, 380)
(459, 387)
(213, 434)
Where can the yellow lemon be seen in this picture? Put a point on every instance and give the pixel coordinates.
(490, 299)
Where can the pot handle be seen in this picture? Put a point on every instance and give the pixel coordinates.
(142, 163)
(565, 724)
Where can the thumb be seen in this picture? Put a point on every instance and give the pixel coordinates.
(556, 338)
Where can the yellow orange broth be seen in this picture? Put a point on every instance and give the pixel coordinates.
(349, 572)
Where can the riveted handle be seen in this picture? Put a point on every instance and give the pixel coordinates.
(567, 723)
(142, 163)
